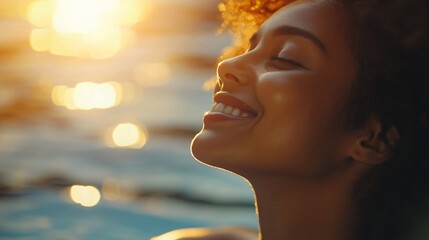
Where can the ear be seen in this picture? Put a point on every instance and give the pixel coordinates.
(369, 147)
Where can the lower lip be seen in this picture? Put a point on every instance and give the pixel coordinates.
(217, 116)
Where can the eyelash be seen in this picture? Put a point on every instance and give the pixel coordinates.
(277, 58)
(288, 61)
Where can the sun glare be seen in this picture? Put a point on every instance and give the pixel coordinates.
(82, 16)
(126, 135)
(152, 74)
(87, 196)
(88, 95)
(95, 29)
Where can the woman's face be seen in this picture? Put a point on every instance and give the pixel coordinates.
(277, 106)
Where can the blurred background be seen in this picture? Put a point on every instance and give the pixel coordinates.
(99, 100)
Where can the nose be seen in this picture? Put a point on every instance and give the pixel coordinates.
(234, 72)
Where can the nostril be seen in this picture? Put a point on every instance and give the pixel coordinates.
(231, 77)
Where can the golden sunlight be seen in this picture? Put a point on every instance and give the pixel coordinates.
(87, 196)
(95, 29)
(88, 95)
(152, 74)
(127, 135)
(82, 16)
(182, 233)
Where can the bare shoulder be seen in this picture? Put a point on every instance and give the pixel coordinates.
(225, 233)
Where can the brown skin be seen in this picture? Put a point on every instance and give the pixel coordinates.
(302, 165)
(225, 233)
(295, 132)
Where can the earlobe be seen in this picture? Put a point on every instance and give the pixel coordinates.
(370, 147)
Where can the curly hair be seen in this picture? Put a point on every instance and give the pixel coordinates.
(390, 40)
(391, 43)
(243, 18)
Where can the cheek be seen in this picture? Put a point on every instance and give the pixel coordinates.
(303, 98)
(296, 113)
(288, 95)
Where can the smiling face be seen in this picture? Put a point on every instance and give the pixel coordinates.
(277, 106)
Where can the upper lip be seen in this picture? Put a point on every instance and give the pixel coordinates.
(228, 99)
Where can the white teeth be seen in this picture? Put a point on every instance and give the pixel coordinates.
(227, 110)
(222, 108)
(236, 112)
(219, 107)
(213, 107)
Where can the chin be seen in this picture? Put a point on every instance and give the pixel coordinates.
(208, 150)
(200, 147)
(213, 153)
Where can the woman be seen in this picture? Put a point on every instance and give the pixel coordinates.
(326, 115)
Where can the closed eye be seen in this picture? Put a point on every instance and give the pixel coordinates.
(285, 63)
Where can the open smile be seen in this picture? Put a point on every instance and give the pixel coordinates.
(226, 106)
(228, 110)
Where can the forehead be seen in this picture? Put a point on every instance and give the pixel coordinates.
(323, 19)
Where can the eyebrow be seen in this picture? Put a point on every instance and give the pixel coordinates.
(294, 31)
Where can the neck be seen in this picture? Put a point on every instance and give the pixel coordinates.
(304, 209)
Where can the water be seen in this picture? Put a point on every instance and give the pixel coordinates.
(45, 150)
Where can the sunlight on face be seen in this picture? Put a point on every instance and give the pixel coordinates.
(88, 95)
(126, 135)
(87, 196)
(95, 29)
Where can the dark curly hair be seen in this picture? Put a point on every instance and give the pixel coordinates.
(390, 40)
